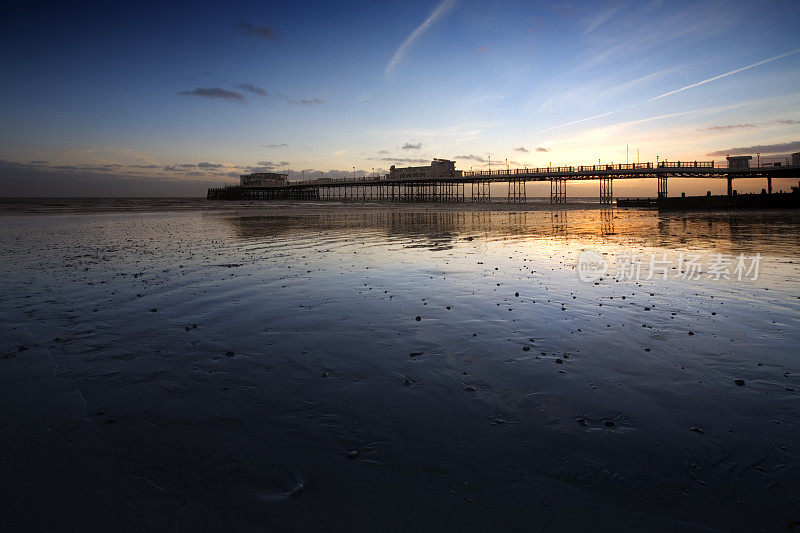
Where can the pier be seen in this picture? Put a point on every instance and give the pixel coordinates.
(445, 184)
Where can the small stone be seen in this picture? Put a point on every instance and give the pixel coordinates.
(526, 348)
(647, 349)
(691, 333)
(407, 383)
(582, 421)
(609, 423)
(229, 353)
(516, 294)
(698, 430)
(414, 354)
(22, 348)
(418, 318)
(739, 382)
(559, 361)
(324, 374)
(469, 388)
(352, 454)
(154, 310)
(499, 421)
(646, 308)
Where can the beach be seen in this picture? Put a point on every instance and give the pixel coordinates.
(303, 367)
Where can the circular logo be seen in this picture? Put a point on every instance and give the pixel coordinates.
(591, 266)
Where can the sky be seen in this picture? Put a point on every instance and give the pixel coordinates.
(170, 98)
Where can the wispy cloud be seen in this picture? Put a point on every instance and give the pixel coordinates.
(252, 88)
(282, 145)
(778, 148)
(406, 160)
(215, 93)
(263, 32)
(307, 101)
(472, 157)
(725, 75)
(409, 146)
(727, 127)
(747, 125)
(521, 149)
(442, 9)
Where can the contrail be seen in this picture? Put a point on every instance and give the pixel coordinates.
(670, 93)
(715, 78)
(441, 10)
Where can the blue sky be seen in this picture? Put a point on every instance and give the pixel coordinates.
(197, 93)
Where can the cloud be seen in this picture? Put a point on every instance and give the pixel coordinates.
(252, 88)
(442, 9)
(312, 101)
(215, 92)
(542, 149)
(383, 151)
(209, 165)
(40, 162)
(25, 179)
(727, 127)
(471, 157)
(282, 145)
(788, 121)
(263, 32)
(409, 146)
(142, 166)
(725, 75)
(267, 166)
(405, 160)
(778, 148)
(521, 149)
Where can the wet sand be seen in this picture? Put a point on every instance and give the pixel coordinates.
(307, 368)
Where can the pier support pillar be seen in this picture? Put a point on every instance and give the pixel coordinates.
(481, 191)
(558, 191)
(769, 184)
(730, 186)
(516, 192)
(662, 186)
(606, 190)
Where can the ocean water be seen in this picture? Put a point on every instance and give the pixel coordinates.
(182, 364)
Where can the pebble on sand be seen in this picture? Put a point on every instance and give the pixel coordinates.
(469, 388)
(352, 454)
(418, 318)
(739, 382)
(230, 353)
(698, 430)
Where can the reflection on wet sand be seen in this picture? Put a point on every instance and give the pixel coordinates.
(236, 370)
(731, 232)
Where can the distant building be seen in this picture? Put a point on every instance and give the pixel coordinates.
(739, 161)
(263, 179)
(796, 159)
(437, 168)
